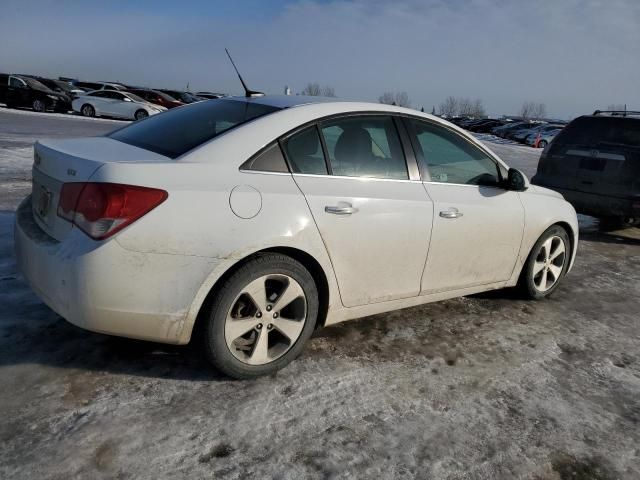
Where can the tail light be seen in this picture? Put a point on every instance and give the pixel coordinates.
(102, 209)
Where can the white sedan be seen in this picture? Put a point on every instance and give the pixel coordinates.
(246, 223)
(112, 103)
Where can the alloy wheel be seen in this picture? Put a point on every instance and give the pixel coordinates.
(38, 106)
(265, 319)
(87, 111)
(549, 263)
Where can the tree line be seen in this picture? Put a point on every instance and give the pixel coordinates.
(451, 107)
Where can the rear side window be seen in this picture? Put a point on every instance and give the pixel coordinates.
(269, 160)
(179, 130)
(365, 147)
(600, 131)
(304, 152)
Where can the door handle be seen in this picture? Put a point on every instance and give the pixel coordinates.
(341, 209)
(451, 213)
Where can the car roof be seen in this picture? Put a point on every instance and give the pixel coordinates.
(285, 101)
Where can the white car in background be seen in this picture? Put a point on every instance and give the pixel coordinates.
(246, 223)
(117, 104)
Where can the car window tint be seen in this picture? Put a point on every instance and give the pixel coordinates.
(365, 147)
(594, 132)
(452, 159)
(270, 160)
(16, 82)
(179, 130)
(304, 152)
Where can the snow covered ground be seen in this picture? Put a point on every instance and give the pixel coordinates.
(482, 387)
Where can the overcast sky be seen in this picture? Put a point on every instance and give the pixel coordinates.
(573, 55)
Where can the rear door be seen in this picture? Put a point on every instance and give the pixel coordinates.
(372, 211)
(100, 102)
(477, 225)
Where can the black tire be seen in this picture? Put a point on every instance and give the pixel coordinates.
(526, 283)
(39, 106)
(87, 110)
(212, 332)
(141, 114)
(542, 144)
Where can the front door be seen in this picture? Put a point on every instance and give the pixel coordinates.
(478, 225)
(374, 220)
(19, 94)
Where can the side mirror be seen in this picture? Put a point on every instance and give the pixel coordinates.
(127, 99)
(516, 181)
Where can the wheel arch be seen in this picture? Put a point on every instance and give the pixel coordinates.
(573, 240)
(314, 267)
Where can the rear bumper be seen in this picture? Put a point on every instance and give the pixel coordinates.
(103, 287)
(594, 204)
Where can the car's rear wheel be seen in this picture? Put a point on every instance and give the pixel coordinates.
(261, 318)
(542, 143)
(38, 105)
(547, 263)
(140, 114)
(88, 111)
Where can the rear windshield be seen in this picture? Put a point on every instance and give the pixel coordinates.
(601, 131)
(179, 130)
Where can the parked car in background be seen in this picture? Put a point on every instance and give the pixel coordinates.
(595, 163)
(23, 91)
(542, 139)
(486, 126)
(59, 86)
(185, 97)
(522, 134)
(156, 97)
(112, 103)
(504, 129)
(209, 95)
(91, 86)
(139, 235)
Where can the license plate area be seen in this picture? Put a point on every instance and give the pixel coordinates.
(42, 200)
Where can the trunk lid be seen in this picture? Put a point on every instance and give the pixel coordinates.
(75, 160)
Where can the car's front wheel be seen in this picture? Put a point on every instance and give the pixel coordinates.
(547, 263)
(261, 318)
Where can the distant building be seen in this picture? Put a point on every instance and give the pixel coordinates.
(287, 90)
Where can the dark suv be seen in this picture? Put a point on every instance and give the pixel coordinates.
(22, 91)
(595, 163)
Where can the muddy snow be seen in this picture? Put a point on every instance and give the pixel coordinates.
(482, 387)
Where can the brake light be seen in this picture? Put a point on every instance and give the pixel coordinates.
(102, 209)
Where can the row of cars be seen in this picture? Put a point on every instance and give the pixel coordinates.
(90, 99)
(593, 161)
(533, 133)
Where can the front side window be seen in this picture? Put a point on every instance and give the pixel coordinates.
(304, 152)
(16, 82)
(449, 158)
(182, 129)
(365, 146)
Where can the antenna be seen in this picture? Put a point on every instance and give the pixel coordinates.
(247, 93)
